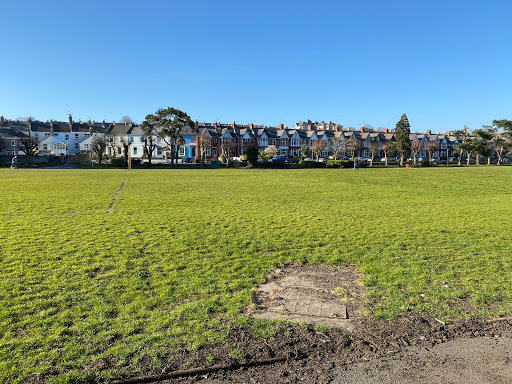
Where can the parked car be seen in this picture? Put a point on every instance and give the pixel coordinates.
(278, 159)
(292, 160)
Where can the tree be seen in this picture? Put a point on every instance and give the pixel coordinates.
(416, 146)
(462, 136)
(505, 125)
(336, 146)
(501, 146)
(173, 122)
(374, 148)
(126, 143)
(271, 151)
(353, 145)
(403, 141)
(317, 146)
(252, 151)
(99, 144)
(304, 152)
(29, 146)
(432, 146)
(203, 142)
(126, 120)
(228, 150)
(112, 145)
(388, 148)
(150, 129)
(482, 147)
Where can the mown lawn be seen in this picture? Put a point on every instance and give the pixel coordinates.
(176, 261)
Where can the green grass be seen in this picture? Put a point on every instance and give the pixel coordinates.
(176, 261)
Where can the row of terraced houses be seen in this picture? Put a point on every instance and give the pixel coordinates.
(68, 138)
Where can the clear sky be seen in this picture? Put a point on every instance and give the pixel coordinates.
(445, 64)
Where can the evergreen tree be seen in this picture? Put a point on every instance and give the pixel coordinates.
(403, 142)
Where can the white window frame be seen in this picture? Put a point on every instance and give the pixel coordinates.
(182, 151)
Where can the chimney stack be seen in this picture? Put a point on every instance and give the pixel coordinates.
(281, 126)
(51, 127)
(251, 125)
(70, 118)
(89, 122)
(103, 124)
(1, 119)
(385, 130)
(310, 126)
(29, 126)
(447, 133)
(233, 125)
(361, 129)
(429, 132)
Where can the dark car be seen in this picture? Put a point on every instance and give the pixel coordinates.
(278, 159)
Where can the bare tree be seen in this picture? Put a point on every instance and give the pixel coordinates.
(204, 142)
(374, 150)
(432, 146)
(353, 145)
(416, 146)
(99, 144)
(126, 120)
(228, 150)
(317, 146)
(336, 146)
(29, 146)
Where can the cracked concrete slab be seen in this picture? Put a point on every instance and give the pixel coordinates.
(310, 294)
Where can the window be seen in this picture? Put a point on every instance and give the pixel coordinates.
(193, 139)
(86, 146)
(208, 151)
(134, 150)
(159, 151)
(214, 139)
(76, 145)
(13, 143)
(245, 142)
(182, 151)
(263, 142)
(67, 137)
(118, 150)
(35, 136)
(443, 146)
(76, 136)
(295, 143)
(215, 152)
(47, 133)
(283, 143)
(45, 146)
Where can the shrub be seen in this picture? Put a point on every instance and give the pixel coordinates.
(117, 162)
(136, 162)
(311, 164)
(333, 164)
(425, 163)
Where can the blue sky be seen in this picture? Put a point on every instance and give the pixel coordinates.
(445, 64)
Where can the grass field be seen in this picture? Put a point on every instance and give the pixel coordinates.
(176, 261)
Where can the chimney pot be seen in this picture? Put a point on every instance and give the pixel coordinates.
(429, 132)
